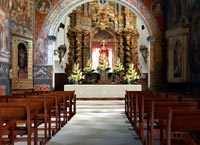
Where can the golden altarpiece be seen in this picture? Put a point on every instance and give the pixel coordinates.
(92, 22)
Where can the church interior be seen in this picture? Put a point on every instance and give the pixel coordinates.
(142, 54)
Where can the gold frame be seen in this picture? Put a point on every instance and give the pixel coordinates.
(22, 83)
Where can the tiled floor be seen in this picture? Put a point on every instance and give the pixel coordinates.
(99, 122)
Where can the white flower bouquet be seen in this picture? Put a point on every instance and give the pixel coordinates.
(131, 75)
(76, 75)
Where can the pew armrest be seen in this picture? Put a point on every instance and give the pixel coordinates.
(9, 124)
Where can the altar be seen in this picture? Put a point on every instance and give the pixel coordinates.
(101, 91)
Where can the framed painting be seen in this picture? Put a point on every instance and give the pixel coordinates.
(177, 57)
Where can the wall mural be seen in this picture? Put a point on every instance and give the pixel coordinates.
(4, 81)
(4, 36)
(5, 53)
(43, 72)
(4, 71)
(22, 17)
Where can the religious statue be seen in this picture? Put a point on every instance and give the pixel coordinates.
(22, 61)
(104, 52)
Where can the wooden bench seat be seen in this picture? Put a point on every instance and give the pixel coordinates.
(39, 105)
(158, 109)
(24, 116)
(7, 129)
(48, 103)
(184, 120)
(144, 105)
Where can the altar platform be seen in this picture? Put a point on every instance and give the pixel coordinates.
(101, 91)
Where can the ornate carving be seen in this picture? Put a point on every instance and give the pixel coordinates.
(92, 22)
(79, 49)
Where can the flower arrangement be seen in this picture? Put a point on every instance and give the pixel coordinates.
(118, 66)
(88, 68)
(76, 74)
(131, 74)
(103, 65)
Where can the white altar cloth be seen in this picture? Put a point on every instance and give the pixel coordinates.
(101, 91)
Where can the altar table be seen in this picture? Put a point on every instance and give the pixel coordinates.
(101, 91)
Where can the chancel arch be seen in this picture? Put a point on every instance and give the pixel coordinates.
(136, 6)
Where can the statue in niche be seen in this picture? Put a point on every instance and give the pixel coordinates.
(22, 61)
(104, 52)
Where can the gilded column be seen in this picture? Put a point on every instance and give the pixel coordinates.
(128, 55)
(121, 48)
(134, 46)
(86, 48)
(79, 49)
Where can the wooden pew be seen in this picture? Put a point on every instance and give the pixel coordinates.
(131, 107)
(6, 129)
(23, 114)
(180, 121)
(65, 107)
(38, 105)
(144, 105)
(188, 139)
(158, 110)
(46, 114)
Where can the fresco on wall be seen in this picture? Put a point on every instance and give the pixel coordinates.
(194, 42)
(21, 16)
(40, 52)
(42, 72)
(4, 49)
(4, 70)
(43, 6)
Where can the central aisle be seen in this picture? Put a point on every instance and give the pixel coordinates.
(99, 122)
